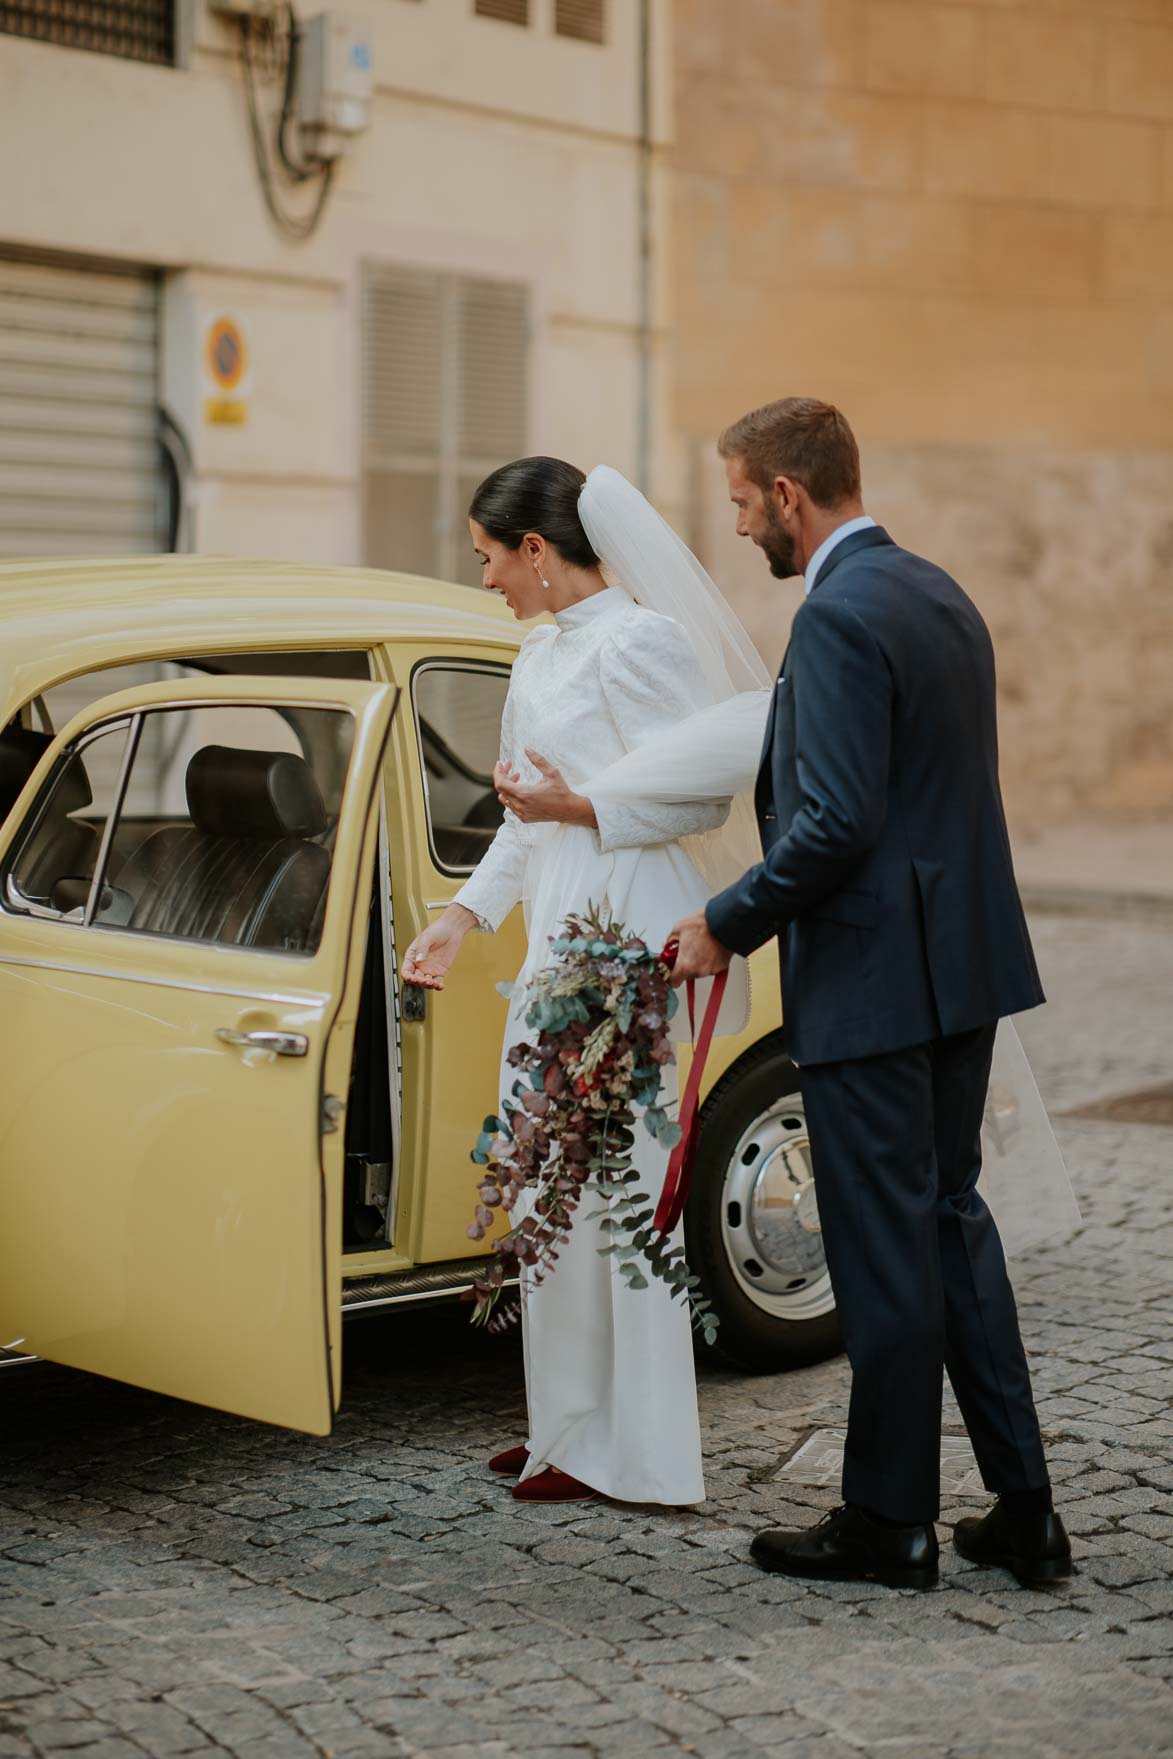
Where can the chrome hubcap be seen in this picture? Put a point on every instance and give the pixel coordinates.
(770, 1217)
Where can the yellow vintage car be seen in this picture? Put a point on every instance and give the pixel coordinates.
(230, 795)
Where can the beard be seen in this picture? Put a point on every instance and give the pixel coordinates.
(777, 546)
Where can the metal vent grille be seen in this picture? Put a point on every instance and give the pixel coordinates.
(444, 402)
(508, 11)
(79, 449)
(137, 30)
(584, 19)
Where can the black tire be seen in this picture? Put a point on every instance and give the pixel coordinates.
(748, 1336)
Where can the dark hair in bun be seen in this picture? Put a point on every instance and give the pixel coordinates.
(535, 494)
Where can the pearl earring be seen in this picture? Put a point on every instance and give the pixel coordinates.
(542, 578)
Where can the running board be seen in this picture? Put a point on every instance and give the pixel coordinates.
(428, 1282)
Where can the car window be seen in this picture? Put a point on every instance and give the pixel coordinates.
(458, 715)
(55, 863)
(224, 831)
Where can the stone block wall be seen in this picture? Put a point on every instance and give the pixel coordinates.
(955, 219)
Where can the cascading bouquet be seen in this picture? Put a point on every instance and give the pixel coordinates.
(600, 1013)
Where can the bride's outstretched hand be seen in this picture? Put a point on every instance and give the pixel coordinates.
(429, 958)
(550, 800)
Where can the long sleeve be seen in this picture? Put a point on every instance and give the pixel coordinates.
(842, 690)
(496, 886)
(647, 684)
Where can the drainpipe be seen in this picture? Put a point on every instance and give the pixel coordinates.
(644, 252)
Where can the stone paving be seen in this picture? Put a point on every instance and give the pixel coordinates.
(177, 1582)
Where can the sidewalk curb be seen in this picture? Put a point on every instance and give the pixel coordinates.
(1042, 900)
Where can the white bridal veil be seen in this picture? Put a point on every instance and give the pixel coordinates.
(714, 754)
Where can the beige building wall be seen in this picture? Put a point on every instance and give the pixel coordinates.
(954, 218)
(493, 150)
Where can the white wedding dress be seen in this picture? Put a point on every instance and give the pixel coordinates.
(610, 1379)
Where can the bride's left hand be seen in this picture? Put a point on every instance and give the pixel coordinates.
(550, 800)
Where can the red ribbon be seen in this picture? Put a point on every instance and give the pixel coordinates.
(676, 1182)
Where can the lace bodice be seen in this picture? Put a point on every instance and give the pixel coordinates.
(606, 677)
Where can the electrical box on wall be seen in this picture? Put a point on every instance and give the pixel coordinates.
(335, 81)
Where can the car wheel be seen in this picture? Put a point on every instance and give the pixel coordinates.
(752, 1222)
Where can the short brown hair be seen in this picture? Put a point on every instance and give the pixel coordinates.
(802, 438)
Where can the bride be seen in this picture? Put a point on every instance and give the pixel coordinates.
(629, 656)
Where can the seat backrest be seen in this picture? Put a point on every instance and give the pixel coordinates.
(244, 872)
(21, 750)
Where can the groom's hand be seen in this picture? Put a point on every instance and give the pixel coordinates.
(550, 800)
(700, 954)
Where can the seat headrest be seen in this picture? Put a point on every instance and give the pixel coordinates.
(21, 750)
(234, 793)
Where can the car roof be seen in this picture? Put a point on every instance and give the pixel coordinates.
(94, 613)
(152, 586)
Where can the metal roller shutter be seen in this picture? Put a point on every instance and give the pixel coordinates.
(79, 449)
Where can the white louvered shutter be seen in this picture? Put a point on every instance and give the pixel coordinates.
(403, 359)
(79, 450)
(445, 396)
(584, 19)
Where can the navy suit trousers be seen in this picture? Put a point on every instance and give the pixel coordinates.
(918, 1272)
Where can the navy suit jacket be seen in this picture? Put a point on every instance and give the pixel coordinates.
(887, 874)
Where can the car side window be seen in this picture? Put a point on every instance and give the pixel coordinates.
(458, 711)
(222, 828)
(54, 864)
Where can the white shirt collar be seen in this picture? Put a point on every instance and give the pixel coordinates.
(595, 605)
(863, 523)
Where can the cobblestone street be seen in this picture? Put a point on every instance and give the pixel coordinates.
(174, 1581)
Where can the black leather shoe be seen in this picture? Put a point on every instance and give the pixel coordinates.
(1036, 1550)
(848, 1547)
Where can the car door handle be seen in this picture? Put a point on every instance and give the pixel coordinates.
(282, 1044)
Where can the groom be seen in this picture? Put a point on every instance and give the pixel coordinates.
(887, 880)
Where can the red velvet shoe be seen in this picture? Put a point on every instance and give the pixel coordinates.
(511, 1462)
(551, 1486)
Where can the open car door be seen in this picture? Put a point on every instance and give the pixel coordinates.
(184, 888)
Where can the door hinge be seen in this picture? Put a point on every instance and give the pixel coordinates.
(332, 1110)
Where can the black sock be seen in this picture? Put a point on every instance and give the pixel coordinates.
(887, 1521)
(1027, 1505)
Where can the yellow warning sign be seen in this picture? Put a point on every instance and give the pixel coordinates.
(232, 411)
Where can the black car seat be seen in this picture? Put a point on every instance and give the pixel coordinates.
(21, 750)
(244, 872)
(63, 847)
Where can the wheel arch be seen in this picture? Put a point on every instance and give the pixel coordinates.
(738, 1064)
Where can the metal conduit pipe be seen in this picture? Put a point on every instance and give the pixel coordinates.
(644, 252)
